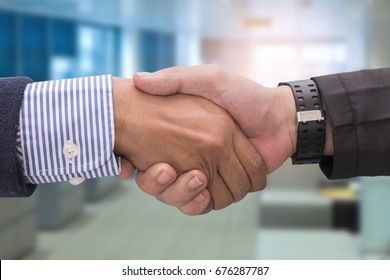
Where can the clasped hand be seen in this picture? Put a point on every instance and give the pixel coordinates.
(190, 152)
(186, 132)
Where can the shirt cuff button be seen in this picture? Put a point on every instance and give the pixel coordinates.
(70, 151)
(76, 180)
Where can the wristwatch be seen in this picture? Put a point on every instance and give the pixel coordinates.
(311, 125)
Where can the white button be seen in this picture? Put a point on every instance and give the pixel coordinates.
(76, 180)
(70, 150)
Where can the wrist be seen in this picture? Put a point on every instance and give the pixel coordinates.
(287, 102)
(311, 126)
(121, 97)
(291, 120)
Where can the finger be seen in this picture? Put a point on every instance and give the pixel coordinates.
(210, 206)
(199, 205)
(221, 196)
(127, 169)
(156, 178)
(201, 80)
(186, 187)
(235, 177)
(251, 161)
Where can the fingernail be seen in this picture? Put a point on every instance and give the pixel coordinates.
(144, 74)
(163, 178)
(199, 198)
(194, 183)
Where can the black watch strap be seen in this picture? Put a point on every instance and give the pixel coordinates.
(311, 122)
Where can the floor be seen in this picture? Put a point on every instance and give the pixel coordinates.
(128, 224)
(307, 244)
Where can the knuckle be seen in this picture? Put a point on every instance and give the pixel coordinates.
(263, 183)
(148, 188)
(260, 186)
(240, 192)
(144, 187)
(241, 185)
(222, 204)
(214, 67)
(175, 69)
(258, 173)
(221, 137)
(216, 70)
(217, 74)
(217, 143)
(256, 161)
(206, 210)
(198, 174)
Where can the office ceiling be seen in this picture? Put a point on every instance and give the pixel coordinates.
(225, 18)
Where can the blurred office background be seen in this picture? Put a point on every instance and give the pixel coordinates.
(300, 215)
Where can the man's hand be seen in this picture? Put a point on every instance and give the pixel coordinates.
(187, 133)
(267, 116)
(189, 190)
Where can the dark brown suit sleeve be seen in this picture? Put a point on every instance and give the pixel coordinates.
(359, 107)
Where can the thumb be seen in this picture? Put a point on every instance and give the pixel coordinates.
(241, 97)
(158, 83)
(205, 81)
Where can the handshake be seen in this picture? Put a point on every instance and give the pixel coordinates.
(202, 137)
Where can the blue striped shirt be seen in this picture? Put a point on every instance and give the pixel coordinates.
(67, 130)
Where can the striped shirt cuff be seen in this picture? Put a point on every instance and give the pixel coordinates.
(19, 153)
(67, 130)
